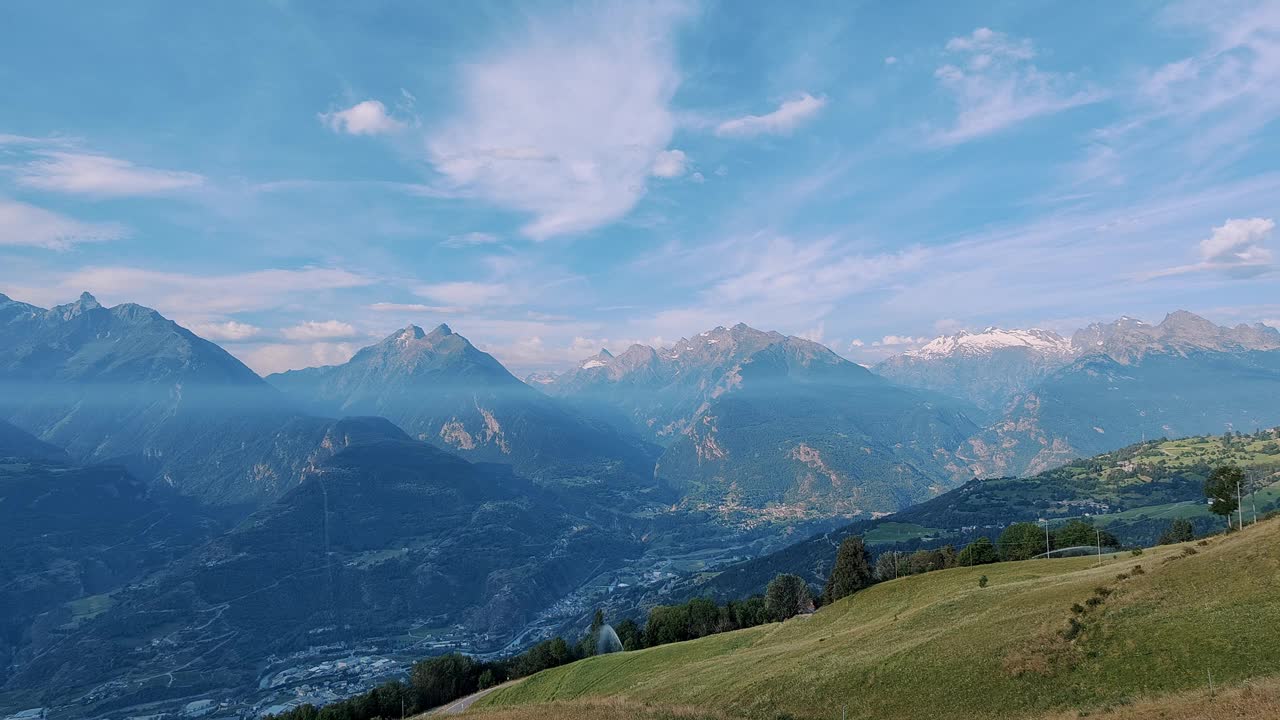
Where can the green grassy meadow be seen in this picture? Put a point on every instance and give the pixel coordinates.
(938, 646)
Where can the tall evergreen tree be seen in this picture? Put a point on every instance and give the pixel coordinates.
(852, 570)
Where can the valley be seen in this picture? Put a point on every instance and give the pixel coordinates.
(300, 539)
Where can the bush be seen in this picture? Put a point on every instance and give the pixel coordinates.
(982, 581)
(786, 597)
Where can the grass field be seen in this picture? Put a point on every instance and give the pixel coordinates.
(938, 646)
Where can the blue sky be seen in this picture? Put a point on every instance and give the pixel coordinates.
(296, 179)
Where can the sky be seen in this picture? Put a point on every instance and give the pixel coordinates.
(295, 180)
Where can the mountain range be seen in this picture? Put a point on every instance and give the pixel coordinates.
(179, 515)
(761, 427)
(440, 389)
(126, 385)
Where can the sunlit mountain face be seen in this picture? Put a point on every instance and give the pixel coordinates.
(336, 338)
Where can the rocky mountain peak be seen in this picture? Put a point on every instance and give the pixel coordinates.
(84, 304)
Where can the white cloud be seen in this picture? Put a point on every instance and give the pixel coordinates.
(566, 123)
(779, 122)
(670, 164)
(230, 330)
(102, 176)
(413, 308)
(470, 239)
(815, 333)
(364, 118)
(995, 86)
(856, 343)
(1237, 247)
(278, 357)
(23, 224)
(891, 60)
(468, 293)
(192, 296)
(893, 341)
(319, 330)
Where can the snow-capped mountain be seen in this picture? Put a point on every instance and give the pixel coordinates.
(993, 339)
(1131, 380)
(986, 368)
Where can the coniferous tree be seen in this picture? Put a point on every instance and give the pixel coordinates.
(852, 570)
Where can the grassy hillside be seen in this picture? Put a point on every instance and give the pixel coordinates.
(939, 646)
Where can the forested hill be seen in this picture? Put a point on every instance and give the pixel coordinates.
(1134, 493)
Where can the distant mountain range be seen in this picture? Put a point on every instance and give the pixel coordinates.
(176, 513)
(762, 427)
(1113, 384)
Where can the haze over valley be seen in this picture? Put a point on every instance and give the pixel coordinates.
(682, 360)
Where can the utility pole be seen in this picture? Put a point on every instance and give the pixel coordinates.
(1253, 495)
(1239, 506)
(1099, 533)
(1048, 547)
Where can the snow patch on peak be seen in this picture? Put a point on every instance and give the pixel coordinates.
(590, 364)
(1044, 342)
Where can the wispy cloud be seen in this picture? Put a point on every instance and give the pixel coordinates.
(319, 330)
(995, 86)
(102, 176)
(185, 295)
(782, 121)
(28, 225)
(566, 123)
(470, 239)
(369, 117)
(386, 307)
(229, 331)
(468, 293)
